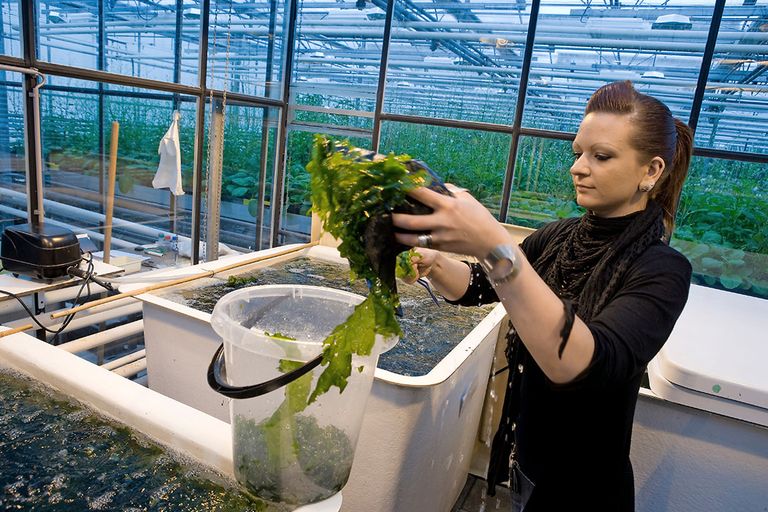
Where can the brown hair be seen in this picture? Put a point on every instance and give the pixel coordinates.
(657, 133)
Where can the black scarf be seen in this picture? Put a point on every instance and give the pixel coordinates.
(588, 263)
(585, 264)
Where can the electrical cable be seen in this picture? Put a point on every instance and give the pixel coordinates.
(82, 274)
(87, 277)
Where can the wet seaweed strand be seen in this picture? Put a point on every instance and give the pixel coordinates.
(349, 188)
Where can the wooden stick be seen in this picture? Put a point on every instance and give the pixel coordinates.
(174, 282)
(23, 328)
(315, 228)
(110, 190)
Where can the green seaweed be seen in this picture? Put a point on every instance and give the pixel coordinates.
(313, 462)
(289, 457)
(349, 188)
(279, 336)
(238, 281)
(405, 268)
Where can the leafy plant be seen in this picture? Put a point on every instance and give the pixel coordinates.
(724, 202)
(347, 190)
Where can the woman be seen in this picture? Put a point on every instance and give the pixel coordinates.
(591, 301)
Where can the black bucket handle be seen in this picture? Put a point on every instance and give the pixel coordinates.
(217, 368)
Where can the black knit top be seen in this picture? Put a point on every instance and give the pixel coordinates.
(559, 431)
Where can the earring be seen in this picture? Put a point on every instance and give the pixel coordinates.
(646, 187)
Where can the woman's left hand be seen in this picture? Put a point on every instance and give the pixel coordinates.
(457, 224)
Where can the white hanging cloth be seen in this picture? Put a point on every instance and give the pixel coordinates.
(168, 173)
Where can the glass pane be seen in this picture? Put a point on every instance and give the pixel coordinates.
(735, 110)
(457, 60)
(473, 159)
(249, 154)
(245, 46)
(155, 40)
(297, 220)
(658, 44)
(13, 168)
(722, 225)
(10, 33)
(542, 190)
(338, 54)
(76, 128)
(320, 119)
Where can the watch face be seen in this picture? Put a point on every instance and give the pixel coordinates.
(500, 263)
(502, 269)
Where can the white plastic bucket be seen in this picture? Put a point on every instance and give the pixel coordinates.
(283, 453)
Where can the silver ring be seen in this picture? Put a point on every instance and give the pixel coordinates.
(425, 240)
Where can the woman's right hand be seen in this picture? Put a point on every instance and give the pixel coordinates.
(423, 261)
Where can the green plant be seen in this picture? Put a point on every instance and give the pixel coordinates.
(347, 191)
(297, 184)
(243, 185)
(724, 203)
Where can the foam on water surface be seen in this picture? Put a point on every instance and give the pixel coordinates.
(430, 331)
(56, 455)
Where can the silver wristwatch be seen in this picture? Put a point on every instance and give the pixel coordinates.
(500, 264)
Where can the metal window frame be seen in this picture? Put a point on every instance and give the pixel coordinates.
(200, 92)
(517, 130)
(32, 139)
(706, 65)
(282, 105)
(509, 175)
(278, 180)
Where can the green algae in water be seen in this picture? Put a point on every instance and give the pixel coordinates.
(429, 331)
(56, 455)
(303, 464)
(289, 457)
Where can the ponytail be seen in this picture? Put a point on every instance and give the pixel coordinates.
(668, 190)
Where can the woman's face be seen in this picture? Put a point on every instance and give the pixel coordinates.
(607, 171)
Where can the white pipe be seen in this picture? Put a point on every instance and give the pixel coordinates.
(69, 293)
(92, 234)
(518, 38)
(429, 28)
(104, 337)
(79, 213)
(117, 363)
(131, 369)
(127, 306)
(11, 306)
(103, 316)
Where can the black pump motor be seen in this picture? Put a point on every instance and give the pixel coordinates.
(40, 251)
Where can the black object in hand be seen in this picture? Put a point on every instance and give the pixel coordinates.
(381, 247)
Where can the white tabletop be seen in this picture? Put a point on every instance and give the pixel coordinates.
(23, 285)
